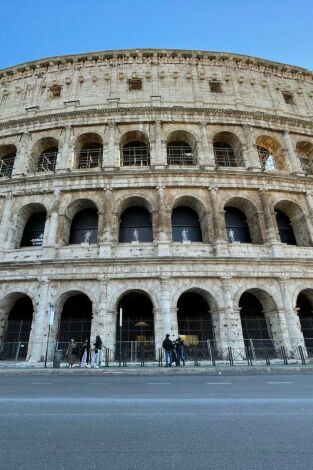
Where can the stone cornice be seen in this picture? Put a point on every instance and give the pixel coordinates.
(155, 56)
(59, 118)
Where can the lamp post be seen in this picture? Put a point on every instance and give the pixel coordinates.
(51, 312)
(121, 325)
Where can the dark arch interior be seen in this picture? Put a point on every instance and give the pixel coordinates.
(75, 319)
(47, 159)
(17, 328)
(90, 155)
(135, 225)
(136, 153)
(185, 225)
(84, 227)
(138, 319)
(285, 229)
(34, 230)
(180, 153)
(236, 225)
(255, 328)
(7, 163)
(194, 319)
(305, 313)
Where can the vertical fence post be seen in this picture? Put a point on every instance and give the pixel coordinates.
(267, 359)
(230, 356)
(284, 354)
(17, 350)
(213, 355)
(302, 356)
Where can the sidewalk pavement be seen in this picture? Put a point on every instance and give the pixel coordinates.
(8, 369)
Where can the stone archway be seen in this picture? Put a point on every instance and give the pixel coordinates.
(305, 313)
(256, 307)
(136, 332)
(75, 319)
(17, 313)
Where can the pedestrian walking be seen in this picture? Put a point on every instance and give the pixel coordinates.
(96, 359)
(85, 354)
(71, 352)
(168, 347)
(180, 353)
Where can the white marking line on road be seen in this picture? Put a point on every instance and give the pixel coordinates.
(158, 383)
(274, 383)
(40, 383)
(218, 383)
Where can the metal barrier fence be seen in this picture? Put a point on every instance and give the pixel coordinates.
(139, 354)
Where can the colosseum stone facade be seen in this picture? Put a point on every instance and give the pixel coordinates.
(174, 185)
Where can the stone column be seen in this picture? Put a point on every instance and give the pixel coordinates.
(22, 156)
(166, 311)
(159, 157)
(164, 224)
(207, 159)
(220, 243)
(53, 223)
(38, 337)
(105, 222)
(290, 318)
(220, 330)
(5, 220)
(253, 156)
(98, 325)
(110, 330)
(232, 318)
(294, 161)
(112, 157)
(271, 229)
(65, 158)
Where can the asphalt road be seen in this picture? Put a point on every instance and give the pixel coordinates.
(236, 423)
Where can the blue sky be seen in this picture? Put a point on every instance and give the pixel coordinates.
(280, 30)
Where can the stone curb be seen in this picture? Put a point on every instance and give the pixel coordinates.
(158, 371)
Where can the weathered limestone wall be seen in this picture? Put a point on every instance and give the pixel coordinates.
(175, 100)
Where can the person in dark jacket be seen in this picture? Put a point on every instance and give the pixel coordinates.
(179, 346)
(96, 360)
(168, 347)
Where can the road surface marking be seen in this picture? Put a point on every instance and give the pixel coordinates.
(158, 383)
(218, 383)
(273, 383)
(40, 383)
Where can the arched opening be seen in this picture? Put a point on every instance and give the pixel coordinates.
(270, 153)
(194, 319)
(47, 159)
(236, 226)
(84, 227)
(255, 325)
(137, 330)
(44, 155)
(88, 153)
(185, 225)
(135, 225)
(304, 151)
(75, 320)
(17, 328)
(291, 223)
(305, 312)
(7, 159)
(181, 149)
(135, 149)
(227, 150)
(285, 229)
(34, 230)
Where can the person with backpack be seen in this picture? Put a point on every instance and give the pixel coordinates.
(168, 347)
(179, 346)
